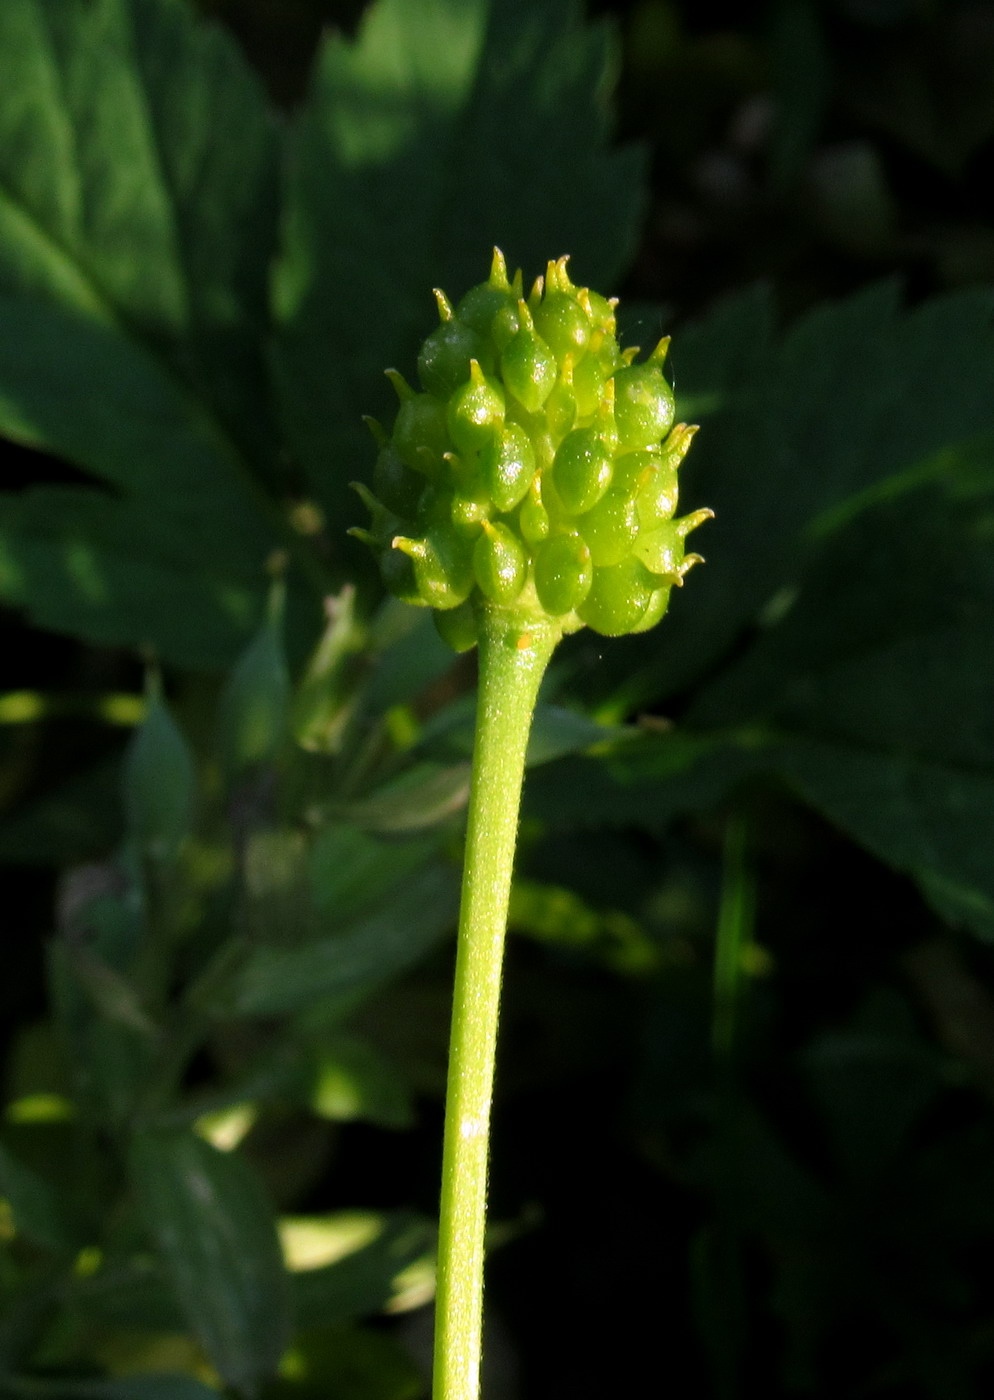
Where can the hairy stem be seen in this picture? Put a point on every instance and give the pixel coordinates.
(513, 656)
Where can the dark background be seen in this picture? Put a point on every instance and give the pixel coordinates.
(819, 147)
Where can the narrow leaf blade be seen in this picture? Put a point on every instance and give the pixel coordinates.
(217, 1237)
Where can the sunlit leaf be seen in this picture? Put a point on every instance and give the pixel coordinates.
(137, 218)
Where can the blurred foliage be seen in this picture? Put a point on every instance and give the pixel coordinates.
(744, 1136)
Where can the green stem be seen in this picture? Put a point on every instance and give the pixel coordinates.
(513, 656)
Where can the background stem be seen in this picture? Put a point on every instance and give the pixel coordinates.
(513, 658)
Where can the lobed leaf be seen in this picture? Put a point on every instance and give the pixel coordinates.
(858, 399)
(137, 220)
(440, 131)
(138, 184)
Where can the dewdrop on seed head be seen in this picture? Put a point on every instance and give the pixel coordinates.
(536, 468)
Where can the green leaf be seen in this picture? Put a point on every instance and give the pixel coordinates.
(409, 655)
(443, 129)
(353, 1081)
(217, 1237)
(114, 998)
(874, 1081)
(350, 1363)
(646, 783)
(770, 1191)
(852, 465)
(137, 218)
(351, 870)
(33, 1203)
(343, 968)
(796, 440)
(150, 1387)
(555, 732)
(277, 908)
(254, 709)
(159, 782)
(138, 177)
(930, 818)
(108, 1056)
(883, 638)
(870, 693)
(391, 1270)
(131, 1295)
(553, 914)
(103, 569)
(934, 821)
(931, 94)
(878, 674)
(421, 797)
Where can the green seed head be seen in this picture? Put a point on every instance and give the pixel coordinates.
(537, 469)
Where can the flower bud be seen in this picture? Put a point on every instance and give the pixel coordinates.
(395, 483)
(643, 405)
(527, 365)
(618, 597)
(500, 563)
(656, 610)
(507, 465)
(419, 435)
(563, 324)
(443, 363)
(563, 573)
(533, 518)
(475, 411)
(581, 472)
(457, 626)
(442, 566)
(592, 373)
(481, 305)
(561, 409)
(537, 470)
(611, 528)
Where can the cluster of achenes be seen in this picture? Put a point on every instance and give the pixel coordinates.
(537, 469)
